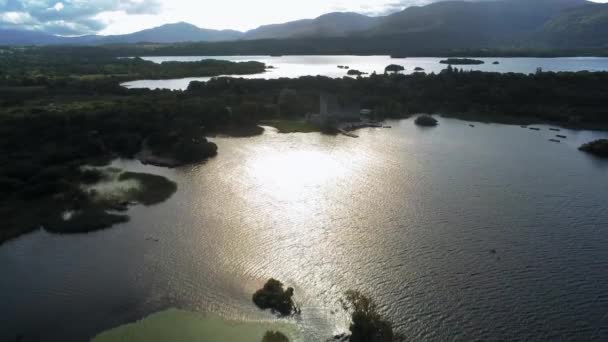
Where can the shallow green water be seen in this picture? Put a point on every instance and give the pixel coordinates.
(184, 326)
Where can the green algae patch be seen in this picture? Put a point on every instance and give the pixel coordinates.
(184, 326)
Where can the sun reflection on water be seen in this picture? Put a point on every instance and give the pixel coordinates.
(289, 174)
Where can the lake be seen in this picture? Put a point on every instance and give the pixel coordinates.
(459, 233)
(296, 66)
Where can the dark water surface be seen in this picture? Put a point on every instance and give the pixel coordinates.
(459, 233)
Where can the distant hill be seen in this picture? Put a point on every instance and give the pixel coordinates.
(328, 25)
(585, 26)
(474, 24)
(169, 33)
(21, 37)
(440, 26)
(173, 33)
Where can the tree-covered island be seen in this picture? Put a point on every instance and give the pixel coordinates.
(462, 61)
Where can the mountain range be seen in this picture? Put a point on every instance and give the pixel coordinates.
(462, 24)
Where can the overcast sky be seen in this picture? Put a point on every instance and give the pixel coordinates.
(74, 17)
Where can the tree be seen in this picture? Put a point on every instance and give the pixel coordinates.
(272, 296)
(367, 324)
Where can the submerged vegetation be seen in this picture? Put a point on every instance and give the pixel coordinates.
(274, 297)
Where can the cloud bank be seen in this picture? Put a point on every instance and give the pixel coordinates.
(78, 17)
(68, 17)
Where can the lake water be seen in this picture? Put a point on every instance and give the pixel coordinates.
(459, 233)
(296, 66)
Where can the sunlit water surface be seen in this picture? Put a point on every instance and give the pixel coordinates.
(296, 66)
(407, 215)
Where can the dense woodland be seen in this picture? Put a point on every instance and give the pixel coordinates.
(59, 112)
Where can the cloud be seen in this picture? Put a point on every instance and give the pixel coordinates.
(68, 17)
(384, 7)
(16, 18)
(399, 5)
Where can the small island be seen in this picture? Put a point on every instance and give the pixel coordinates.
(426, 121)
(355, 72)
(394, 68)
(461, 61)
(496, 62)
(272, 296)
(598, 148)
(418, 69)
(367, 325)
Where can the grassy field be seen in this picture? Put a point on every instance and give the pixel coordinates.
(292, 126)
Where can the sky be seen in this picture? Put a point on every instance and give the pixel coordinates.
(78, 17)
